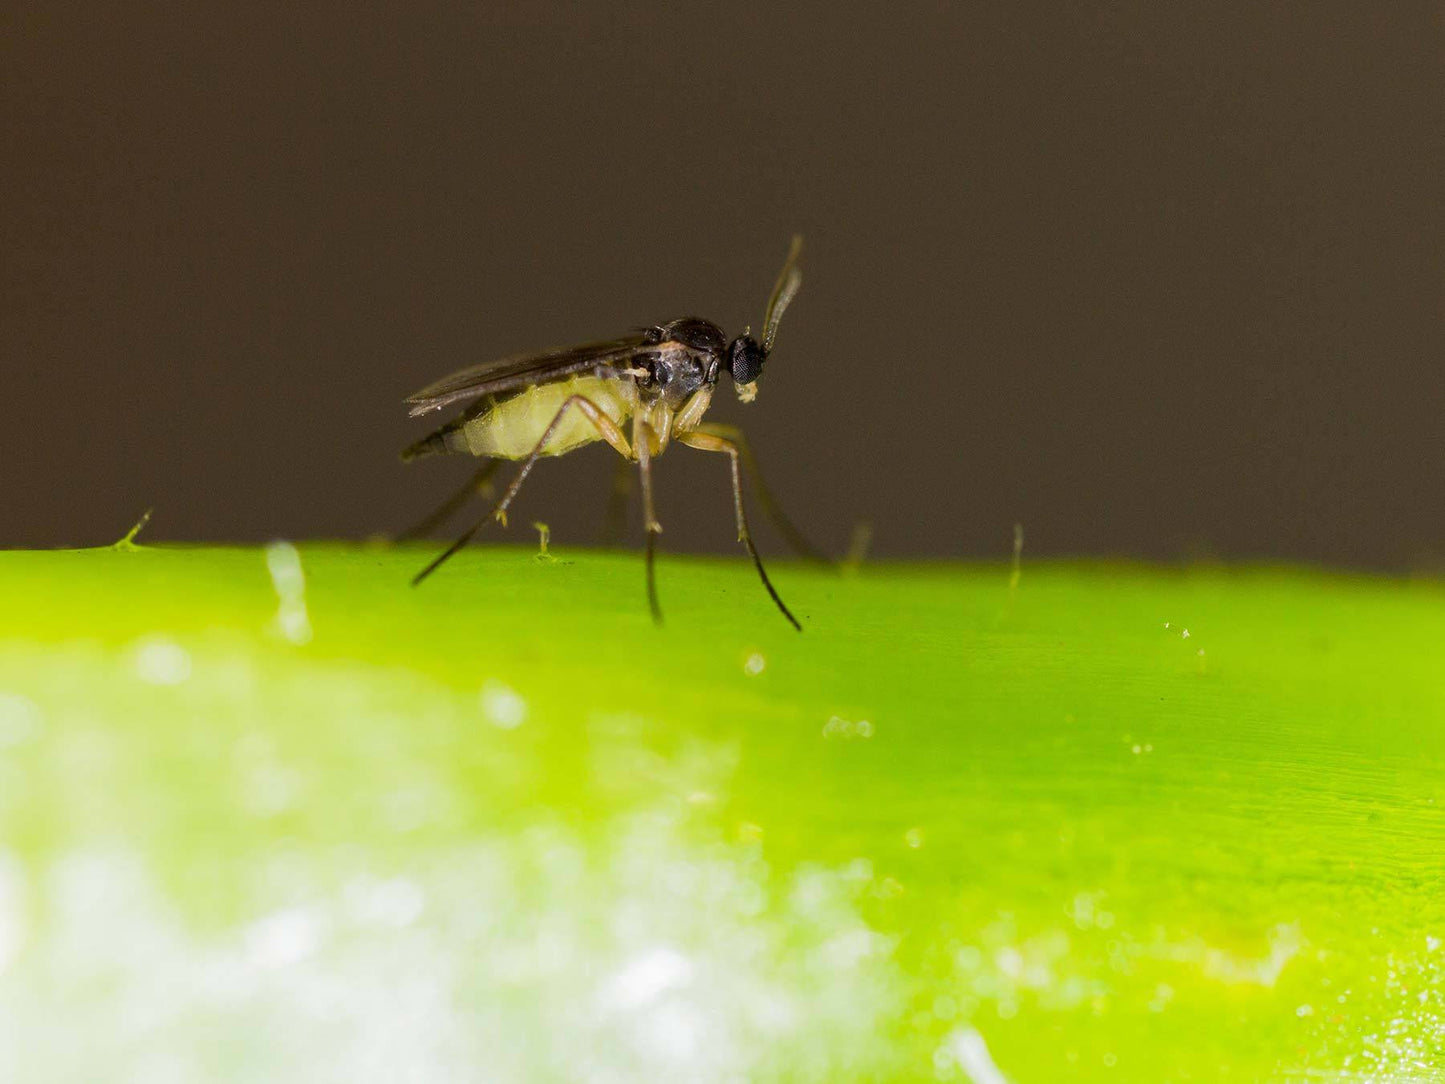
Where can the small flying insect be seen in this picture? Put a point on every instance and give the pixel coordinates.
(661, 379)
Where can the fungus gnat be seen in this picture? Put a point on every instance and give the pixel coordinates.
(662, 379)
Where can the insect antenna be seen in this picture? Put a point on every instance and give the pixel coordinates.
(789, 279)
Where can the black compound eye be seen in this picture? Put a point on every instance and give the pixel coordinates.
(745, 360)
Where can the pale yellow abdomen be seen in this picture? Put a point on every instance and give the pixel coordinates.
(512, 428)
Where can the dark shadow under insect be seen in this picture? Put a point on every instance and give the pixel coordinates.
(660, 380)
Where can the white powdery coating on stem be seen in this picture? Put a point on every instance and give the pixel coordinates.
(506, 958)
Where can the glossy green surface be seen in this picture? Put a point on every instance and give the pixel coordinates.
(502, 828)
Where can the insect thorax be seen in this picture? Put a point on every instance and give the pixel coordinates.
(689, 356)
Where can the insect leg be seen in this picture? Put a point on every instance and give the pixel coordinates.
(712, 442)
(615, 519)
(478, 485)
(590, 410)
(791, 535)
(642, 442)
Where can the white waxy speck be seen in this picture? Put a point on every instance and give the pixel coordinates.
(284, 563)
(1432, 943)
(161, 661)
(20, 719)
(965, 1046)
(754, 665)
(1305, 1010)
(1009, 961)
(647, 976)
(913, 837)
(847, 951)
(283, 938)
(838, 727)
(1184, 635)
(503, 707)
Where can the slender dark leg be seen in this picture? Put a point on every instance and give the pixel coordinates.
(642, 443)
(614, 521)
(478, 485)
(791, 535)
(604, 425)
(711, 442)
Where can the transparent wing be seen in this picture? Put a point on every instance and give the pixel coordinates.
(789, 279)
(523, 370)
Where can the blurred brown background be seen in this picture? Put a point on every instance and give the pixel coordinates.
(1152, 279)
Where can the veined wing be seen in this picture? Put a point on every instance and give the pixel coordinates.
(523, 370)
